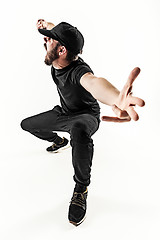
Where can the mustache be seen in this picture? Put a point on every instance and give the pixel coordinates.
(45, 46)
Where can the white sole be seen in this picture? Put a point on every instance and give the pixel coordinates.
(77, 224)
(59, 150)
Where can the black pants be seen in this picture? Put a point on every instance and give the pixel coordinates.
(80, 127)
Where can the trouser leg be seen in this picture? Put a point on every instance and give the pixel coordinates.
(42, 125)
(81, 128)
(82, 147)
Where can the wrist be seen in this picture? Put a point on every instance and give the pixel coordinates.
(115, 99)
(50, 25)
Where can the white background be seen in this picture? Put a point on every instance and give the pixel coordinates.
(35, 186)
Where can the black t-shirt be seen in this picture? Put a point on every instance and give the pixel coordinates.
(74, 98)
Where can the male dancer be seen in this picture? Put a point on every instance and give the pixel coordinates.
(79, 113)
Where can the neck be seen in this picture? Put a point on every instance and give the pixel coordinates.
(59, 64)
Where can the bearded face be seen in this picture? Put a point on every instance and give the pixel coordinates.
(51, 55)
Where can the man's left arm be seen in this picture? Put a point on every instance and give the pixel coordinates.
(122, 102)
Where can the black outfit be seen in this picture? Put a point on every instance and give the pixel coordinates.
(78, 115)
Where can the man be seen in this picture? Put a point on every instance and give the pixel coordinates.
(79, 113)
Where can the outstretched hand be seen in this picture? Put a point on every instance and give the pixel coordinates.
(124, 107)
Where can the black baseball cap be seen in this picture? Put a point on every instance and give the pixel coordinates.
(67, 35)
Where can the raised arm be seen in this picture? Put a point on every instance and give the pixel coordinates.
(41, 23)
(122, 102)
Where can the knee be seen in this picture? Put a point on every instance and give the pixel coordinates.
(79, 132)
(79, 127)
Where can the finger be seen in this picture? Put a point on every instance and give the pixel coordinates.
(136, 101)
(39, 26)
(116, 110)
(39, 23)
(129, 92)
(119, 112)
(132, 113)
(132, 76)
(114, 119)
(40, 20)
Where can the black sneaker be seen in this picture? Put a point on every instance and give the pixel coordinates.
(77, 208)
(55, 147)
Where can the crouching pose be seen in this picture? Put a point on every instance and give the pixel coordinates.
(79, 113)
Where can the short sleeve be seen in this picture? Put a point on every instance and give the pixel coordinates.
(78, 72)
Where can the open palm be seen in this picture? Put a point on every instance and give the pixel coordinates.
(124, 107)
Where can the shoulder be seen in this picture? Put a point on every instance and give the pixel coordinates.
(80, 68)
(81, 63)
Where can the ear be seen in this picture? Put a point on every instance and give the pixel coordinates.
(62, 50)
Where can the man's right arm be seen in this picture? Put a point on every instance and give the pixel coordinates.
(41, 23)
(50, 25)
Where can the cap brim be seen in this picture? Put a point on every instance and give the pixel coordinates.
(47, 33)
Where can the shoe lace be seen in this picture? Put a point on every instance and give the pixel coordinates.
(55, 145)
(78, 199)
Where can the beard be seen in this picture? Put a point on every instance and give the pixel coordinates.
(51, 55)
